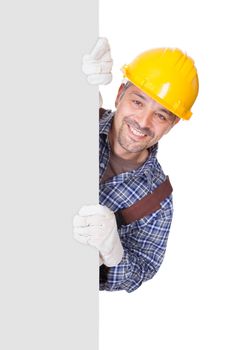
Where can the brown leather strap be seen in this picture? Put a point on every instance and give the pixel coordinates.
(148, 204)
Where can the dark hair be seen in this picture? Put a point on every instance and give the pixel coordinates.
(127, 84)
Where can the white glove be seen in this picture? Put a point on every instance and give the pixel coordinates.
(96, 225)
(98, 64)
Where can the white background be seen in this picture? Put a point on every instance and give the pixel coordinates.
(188, 305)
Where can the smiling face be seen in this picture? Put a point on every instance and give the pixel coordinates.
(139, 122)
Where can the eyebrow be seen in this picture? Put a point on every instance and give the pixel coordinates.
(168, 112)
(162, 109)
(139, 95)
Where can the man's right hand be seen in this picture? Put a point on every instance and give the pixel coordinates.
(98, 64)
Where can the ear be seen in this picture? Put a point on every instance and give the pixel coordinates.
(177, 120)
(119, 94)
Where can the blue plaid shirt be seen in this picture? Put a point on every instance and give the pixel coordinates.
(144, 241)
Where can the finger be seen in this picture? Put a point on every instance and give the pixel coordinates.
(101, 47)
(96, 67)
(87, 221)
(80, 221)
(88, 231)
(98, 209)
(90, 59)
(81, 239)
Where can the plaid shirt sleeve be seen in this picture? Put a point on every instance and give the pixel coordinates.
(144, 245)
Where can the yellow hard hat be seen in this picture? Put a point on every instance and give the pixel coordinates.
(168, 76)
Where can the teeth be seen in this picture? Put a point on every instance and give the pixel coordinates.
(136, 132)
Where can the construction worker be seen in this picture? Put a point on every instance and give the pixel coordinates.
(131, 224)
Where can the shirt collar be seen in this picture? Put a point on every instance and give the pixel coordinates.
(106, 122)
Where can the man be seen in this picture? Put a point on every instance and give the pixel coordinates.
(130, 227)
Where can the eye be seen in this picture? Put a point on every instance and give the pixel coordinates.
(161, 117)
(137, 103)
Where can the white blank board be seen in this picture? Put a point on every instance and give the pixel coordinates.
(48, 160)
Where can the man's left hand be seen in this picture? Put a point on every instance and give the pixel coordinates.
(96, 225)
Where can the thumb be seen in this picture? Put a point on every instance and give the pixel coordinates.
(101, 47)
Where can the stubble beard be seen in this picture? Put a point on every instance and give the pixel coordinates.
(128, 143)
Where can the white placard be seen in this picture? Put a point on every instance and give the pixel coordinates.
(49, 168)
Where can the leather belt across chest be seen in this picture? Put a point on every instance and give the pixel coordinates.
(145, 206)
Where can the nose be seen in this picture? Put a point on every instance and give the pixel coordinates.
(145, 118)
